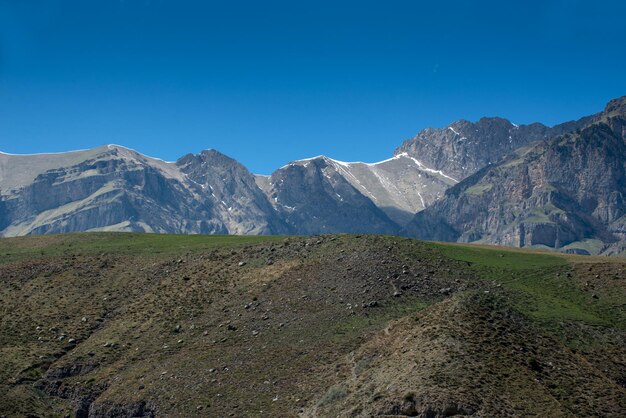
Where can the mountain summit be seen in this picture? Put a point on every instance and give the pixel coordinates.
(465, 147)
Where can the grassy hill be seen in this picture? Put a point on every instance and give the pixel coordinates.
(105, 324)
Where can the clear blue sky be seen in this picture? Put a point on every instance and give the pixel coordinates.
(268, 81)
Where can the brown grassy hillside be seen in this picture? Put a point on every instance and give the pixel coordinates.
(161, 325)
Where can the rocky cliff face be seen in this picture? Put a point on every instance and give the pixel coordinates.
(565, 193)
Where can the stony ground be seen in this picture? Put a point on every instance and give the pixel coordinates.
(151, 325)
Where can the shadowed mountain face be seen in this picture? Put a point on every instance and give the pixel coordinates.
(566, 192)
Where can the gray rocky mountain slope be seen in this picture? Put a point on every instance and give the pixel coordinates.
(398, 187)
(563, 193)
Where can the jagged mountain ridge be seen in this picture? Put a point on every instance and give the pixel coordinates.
(564, 193)
(114, 188)
(464, 147)
(118, 189)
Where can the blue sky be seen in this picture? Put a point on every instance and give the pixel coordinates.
(267, 82)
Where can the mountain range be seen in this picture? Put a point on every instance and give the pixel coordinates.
(489, 181)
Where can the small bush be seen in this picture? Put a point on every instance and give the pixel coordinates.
(333, 395)
(361, 365)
